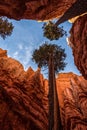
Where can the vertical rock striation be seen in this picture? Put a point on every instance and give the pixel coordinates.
(73, 101)
(23, 101)
(24, 98)
(78, 39)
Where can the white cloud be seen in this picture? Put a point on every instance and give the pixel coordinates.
(27, 58)
(20, 46)
(15, 54)
(23, 54)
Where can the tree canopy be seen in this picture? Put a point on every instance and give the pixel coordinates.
(53, 56)
(41, 56)
(52, 31)
(6, 28)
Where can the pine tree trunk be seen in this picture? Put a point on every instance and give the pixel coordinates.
(54, 109)
(51, 95)
(57, 116)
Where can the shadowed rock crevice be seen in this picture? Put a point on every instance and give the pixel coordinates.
(76, 9)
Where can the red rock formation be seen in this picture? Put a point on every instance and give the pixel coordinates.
(34, 9)
(72, 90)
(78, 40)
(23, 101)
(63, 82)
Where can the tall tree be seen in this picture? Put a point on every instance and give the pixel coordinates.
(6, 28)
(51, 56)
(52, 31)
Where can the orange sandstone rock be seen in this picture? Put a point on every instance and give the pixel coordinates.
(24, 98)
(34, 9)
(78, 39)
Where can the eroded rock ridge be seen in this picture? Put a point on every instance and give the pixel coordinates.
(78, 41)
(23, 101)
(24, 98)
(34, 9)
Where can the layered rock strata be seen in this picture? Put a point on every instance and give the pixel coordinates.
(23, 101)
(34, 9)
(78, 41)
(24, 98)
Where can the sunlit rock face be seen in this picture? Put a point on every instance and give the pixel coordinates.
(34, 9)
(23, 100)
(78, 39)
(72, 91)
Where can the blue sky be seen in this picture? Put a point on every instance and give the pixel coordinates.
(27, 36)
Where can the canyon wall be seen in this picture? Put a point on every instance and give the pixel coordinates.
(34, 9)
(72, 91)
(24, 95)
(24, 98)
(78, 40)
(23, 101)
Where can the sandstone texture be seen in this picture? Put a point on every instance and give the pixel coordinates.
(78, 41)
(23, 101)
(72, 91)
(24, 98)
(34, 9)
(76, 9)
